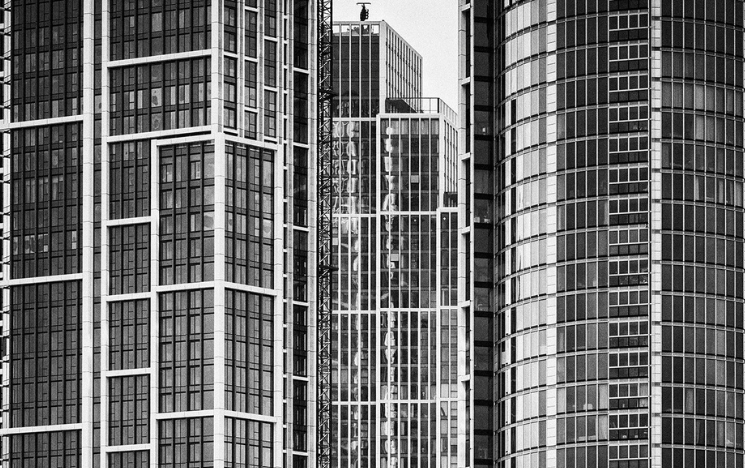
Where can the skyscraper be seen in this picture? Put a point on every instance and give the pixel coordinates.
(395, 322)
(603, 156)
(159, 244)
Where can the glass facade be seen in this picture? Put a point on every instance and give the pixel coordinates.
(188, 442)
(45, 449)
(701, 294)
(249, 221)
(159, 243)
(160, 96)
(134, 459)
(187, 205)
(590, 365)
(129, 334)
(247, 439)
(47, 58)
(45, 354)
(129, 410)
(142, 29)
(130, 256)
(129, 179)
(46, 201)
(602, 161)
(186, 348)
(395, 368)
(249, 360)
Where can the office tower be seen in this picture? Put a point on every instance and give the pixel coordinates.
(603, 149)
(160, 243)
(395, 322)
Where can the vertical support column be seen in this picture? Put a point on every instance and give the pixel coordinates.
(439, 307)
(283, 291)
(105, 98)
(219, 297)
(312, 338)
(465, 221)
(379, 329)
(551, 227)
(154, 301)
(216, 36)
(655, 236)
(88, 233)
(5, 291)
(216, 66)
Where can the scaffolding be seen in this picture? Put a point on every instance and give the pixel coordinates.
(325, 199)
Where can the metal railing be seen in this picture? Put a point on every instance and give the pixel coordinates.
(419, 105)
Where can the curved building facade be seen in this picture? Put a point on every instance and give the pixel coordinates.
(603, 158)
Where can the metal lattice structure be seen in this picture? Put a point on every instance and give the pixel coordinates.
(325, 199)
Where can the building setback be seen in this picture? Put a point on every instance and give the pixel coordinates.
(395, 341)
(159, 224)
(603, 157)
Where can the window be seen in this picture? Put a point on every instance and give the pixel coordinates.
(192, 436)
(249, 352)
(270, 114)
(187, 213)
(45, 190)
(45, 336)
(129, 334)
(129, 257)
(156, 87)
(129, 410)
(140, 459)
(142, 29)
(129, 179)
(252, 437)
(60, 449)
(186, 351)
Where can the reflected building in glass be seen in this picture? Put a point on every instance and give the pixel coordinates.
(602, 154)
(396, 325)
(158, 227)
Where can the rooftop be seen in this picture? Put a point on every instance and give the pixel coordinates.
(419, 105)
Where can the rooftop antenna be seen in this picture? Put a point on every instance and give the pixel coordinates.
(365, 13)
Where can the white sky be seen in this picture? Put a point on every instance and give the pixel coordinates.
(430, 26)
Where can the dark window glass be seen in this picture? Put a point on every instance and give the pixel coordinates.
(300, 108)
(160, 96)
(45, 449)
(129, 259)
(129, 334)
(249, 215)
(252, 437)
(129, 410)
(139, 459)
(141, 29)
(46, 201)
(188, 443)
(300, 33)
(249, 352)
(186, 351)
(129, 179)
(47, 60)
(45, 354)
(187, 199)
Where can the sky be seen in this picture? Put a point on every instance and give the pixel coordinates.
(430, 26)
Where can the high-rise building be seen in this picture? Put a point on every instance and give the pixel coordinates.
(395, 322)
(159, 241)
(603, 157)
